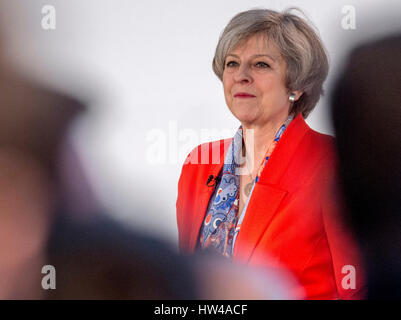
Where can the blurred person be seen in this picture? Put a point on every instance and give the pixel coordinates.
(270, 202)
(366, 113)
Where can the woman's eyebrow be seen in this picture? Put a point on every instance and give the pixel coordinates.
(264, 55)
(254, 56)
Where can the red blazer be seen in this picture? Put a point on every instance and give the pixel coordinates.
(294, 214)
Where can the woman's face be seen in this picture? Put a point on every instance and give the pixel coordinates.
(253, 81)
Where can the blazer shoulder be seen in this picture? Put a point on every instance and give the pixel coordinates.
(322, 139)
(324, 144)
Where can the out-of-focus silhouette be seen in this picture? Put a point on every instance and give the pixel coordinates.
(33, 122)
(366, 110)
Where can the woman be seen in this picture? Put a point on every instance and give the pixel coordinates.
(272, 202)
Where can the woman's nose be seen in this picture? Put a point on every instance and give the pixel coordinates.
(242, 75)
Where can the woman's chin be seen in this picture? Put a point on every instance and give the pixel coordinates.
(245, 116)
(247, 121)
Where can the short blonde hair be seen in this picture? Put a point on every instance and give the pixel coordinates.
(298, 43)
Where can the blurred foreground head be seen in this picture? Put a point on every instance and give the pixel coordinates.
(34, 120)
(366, 110)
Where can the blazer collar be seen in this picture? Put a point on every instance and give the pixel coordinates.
(286, 147)
(253, 225)
(282, 154)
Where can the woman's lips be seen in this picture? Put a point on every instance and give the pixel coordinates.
(243, 95)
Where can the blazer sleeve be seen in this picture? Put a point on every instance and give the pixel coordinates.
(183, 231)
(185, 200)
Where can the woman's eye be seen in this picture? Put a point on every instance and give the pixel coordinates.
(231, 64)
(261, 64)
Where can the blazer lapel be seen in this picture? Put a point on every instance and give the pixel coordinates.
(267, 194)
(262, 207)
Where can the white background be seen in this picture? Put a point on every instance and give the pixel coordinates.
(144, 64)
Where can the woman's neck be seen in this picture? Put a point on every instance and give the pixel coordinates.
(256, 140)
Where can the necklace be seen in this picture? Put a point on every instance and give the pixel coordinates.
(248, 186)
